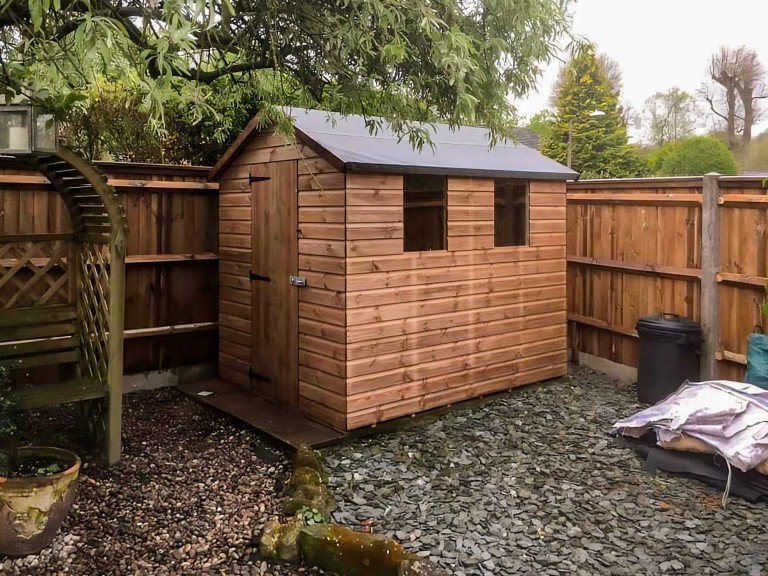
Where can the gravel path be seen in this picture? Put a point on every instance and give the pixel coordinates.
(530, 484)
(187, 498)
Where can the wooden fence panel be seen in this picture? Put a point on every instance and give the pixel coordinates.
(635, 248)
(172, 254)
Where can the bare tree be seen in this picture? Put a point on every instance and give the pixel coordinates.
(670, 116)
(738, 90)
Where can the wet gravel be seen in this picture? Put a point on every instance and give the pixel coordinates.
(529, 483)
(526, 483)
(192, 491)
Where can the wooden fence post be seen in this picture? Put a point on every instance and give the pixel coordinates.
(710, 266)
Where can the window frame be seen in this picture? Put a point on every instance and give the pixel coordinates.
(414, 204)
(514, 183)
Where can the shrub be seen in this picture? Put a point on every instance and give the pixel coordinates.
(697, 156)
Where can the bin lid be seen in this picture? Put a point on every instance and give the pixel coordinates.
(669, 323)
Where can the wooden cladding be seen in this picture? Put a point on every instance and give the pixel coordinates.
(433, 327)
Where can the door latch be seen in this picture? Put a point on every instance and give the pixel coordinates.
(299, 281)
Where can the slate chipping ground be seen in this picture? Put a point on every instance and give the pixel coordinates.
(527, 483)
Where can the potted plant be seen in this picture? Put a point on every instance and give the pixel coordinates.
(37, 484)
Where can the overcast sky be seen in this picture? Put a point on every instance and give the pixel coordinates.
(662, 43)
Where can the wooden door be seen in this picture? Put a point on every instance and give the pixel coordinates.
(275, 306)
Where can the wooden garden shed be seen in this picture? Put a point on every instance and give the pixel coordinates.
(363, 280)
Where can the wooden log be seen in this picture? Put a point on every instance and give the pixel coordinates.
(169, 330)
(649, 269)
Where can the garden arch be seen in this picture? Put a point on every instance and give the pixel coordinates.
(62, 298)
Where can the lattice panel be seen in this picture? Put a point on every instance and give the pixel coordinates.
(34, 273)
(94, 309)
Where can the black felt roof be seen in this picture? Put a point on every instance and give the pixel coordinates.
(462, 152)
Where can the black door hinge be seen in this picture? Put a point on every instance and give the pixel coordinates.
(256, 376)
(253, 276)
(252, 178)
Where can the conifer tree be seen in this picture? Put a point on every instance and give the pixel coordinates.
(588, 109)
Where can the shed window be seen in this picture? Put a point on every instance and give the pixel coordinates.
(424, 212)
(510, 213)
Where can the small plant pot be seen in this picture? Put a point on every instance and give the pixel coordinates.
(32, 508)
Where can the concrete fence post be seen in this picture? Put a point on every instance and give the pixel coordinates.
(710, 266)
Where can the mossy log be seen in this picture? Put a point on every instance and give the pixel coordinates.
(311, 496)
(337, 549)
(306, 457)
(280, 541)
(304, 476)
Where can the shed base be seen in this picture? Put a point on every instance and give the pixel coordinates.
(284, 423)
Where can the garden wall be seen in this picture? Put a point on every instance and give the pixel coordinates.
(172, 254)
(689, 246)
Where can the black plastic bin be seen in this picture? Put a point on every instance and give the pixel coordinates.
(670, 348)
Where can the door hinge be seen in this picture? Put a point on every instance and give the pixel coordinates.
(256, 376)
(253, 276)
(252, 178)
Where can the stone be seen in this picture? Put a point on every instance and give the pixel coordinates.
(416, 566)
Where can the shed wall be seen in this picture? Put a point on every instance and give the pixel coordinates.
(321, 261)
(425, 329)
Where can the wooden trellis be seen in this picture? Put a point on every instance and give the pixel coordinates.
(62, 298)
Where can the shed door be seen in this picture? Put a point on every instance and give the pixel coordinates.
(274, 354)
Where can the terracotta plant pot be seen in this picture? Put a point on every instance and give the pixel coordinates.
(33, 508)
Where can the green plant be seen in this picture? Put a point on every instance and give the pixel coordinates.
(9, 422)
(311, 516)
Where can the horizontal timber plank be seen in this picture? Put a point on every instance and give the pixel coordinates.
(228, 294)
(380, 214)
(468, 331)
(458, 364)
(227, 335)
(321, 247)
(757, 200)
(320, 181)
(331, 265)
(732, 357)
(322, 330)
(323, 414)
(651, 269)
(374, 247)
(435, 259)
(323, 346)
(332, 298)
(375, 197)
(374, 231)
(612, 198)
(758, 282)
(321, 313)
(452, 304)
(463, 386)
(336, 402)
(169, 330)
(321, 198)
(332, 366)
(324, 214)
(452, 350)
(323, 380)
(466, 243)
(335, 282)
(56, 394)
(470, 184)
(602, 324)
(423, 293)
(170, 258)
(315, 231)
(379, 330)
(37, 315)
(235, 254)
(7, 238)
(374, 182)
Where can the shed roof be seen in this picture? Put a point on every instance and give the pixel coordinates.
(459, 152)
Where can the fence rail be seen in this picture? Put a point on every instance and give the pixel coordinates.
(689, 246)
(172, 254)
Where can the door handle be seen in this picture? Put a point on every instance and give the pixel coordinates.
(299, 281)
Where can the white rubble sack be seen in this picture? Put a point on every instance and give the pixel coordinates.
(730, 417)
